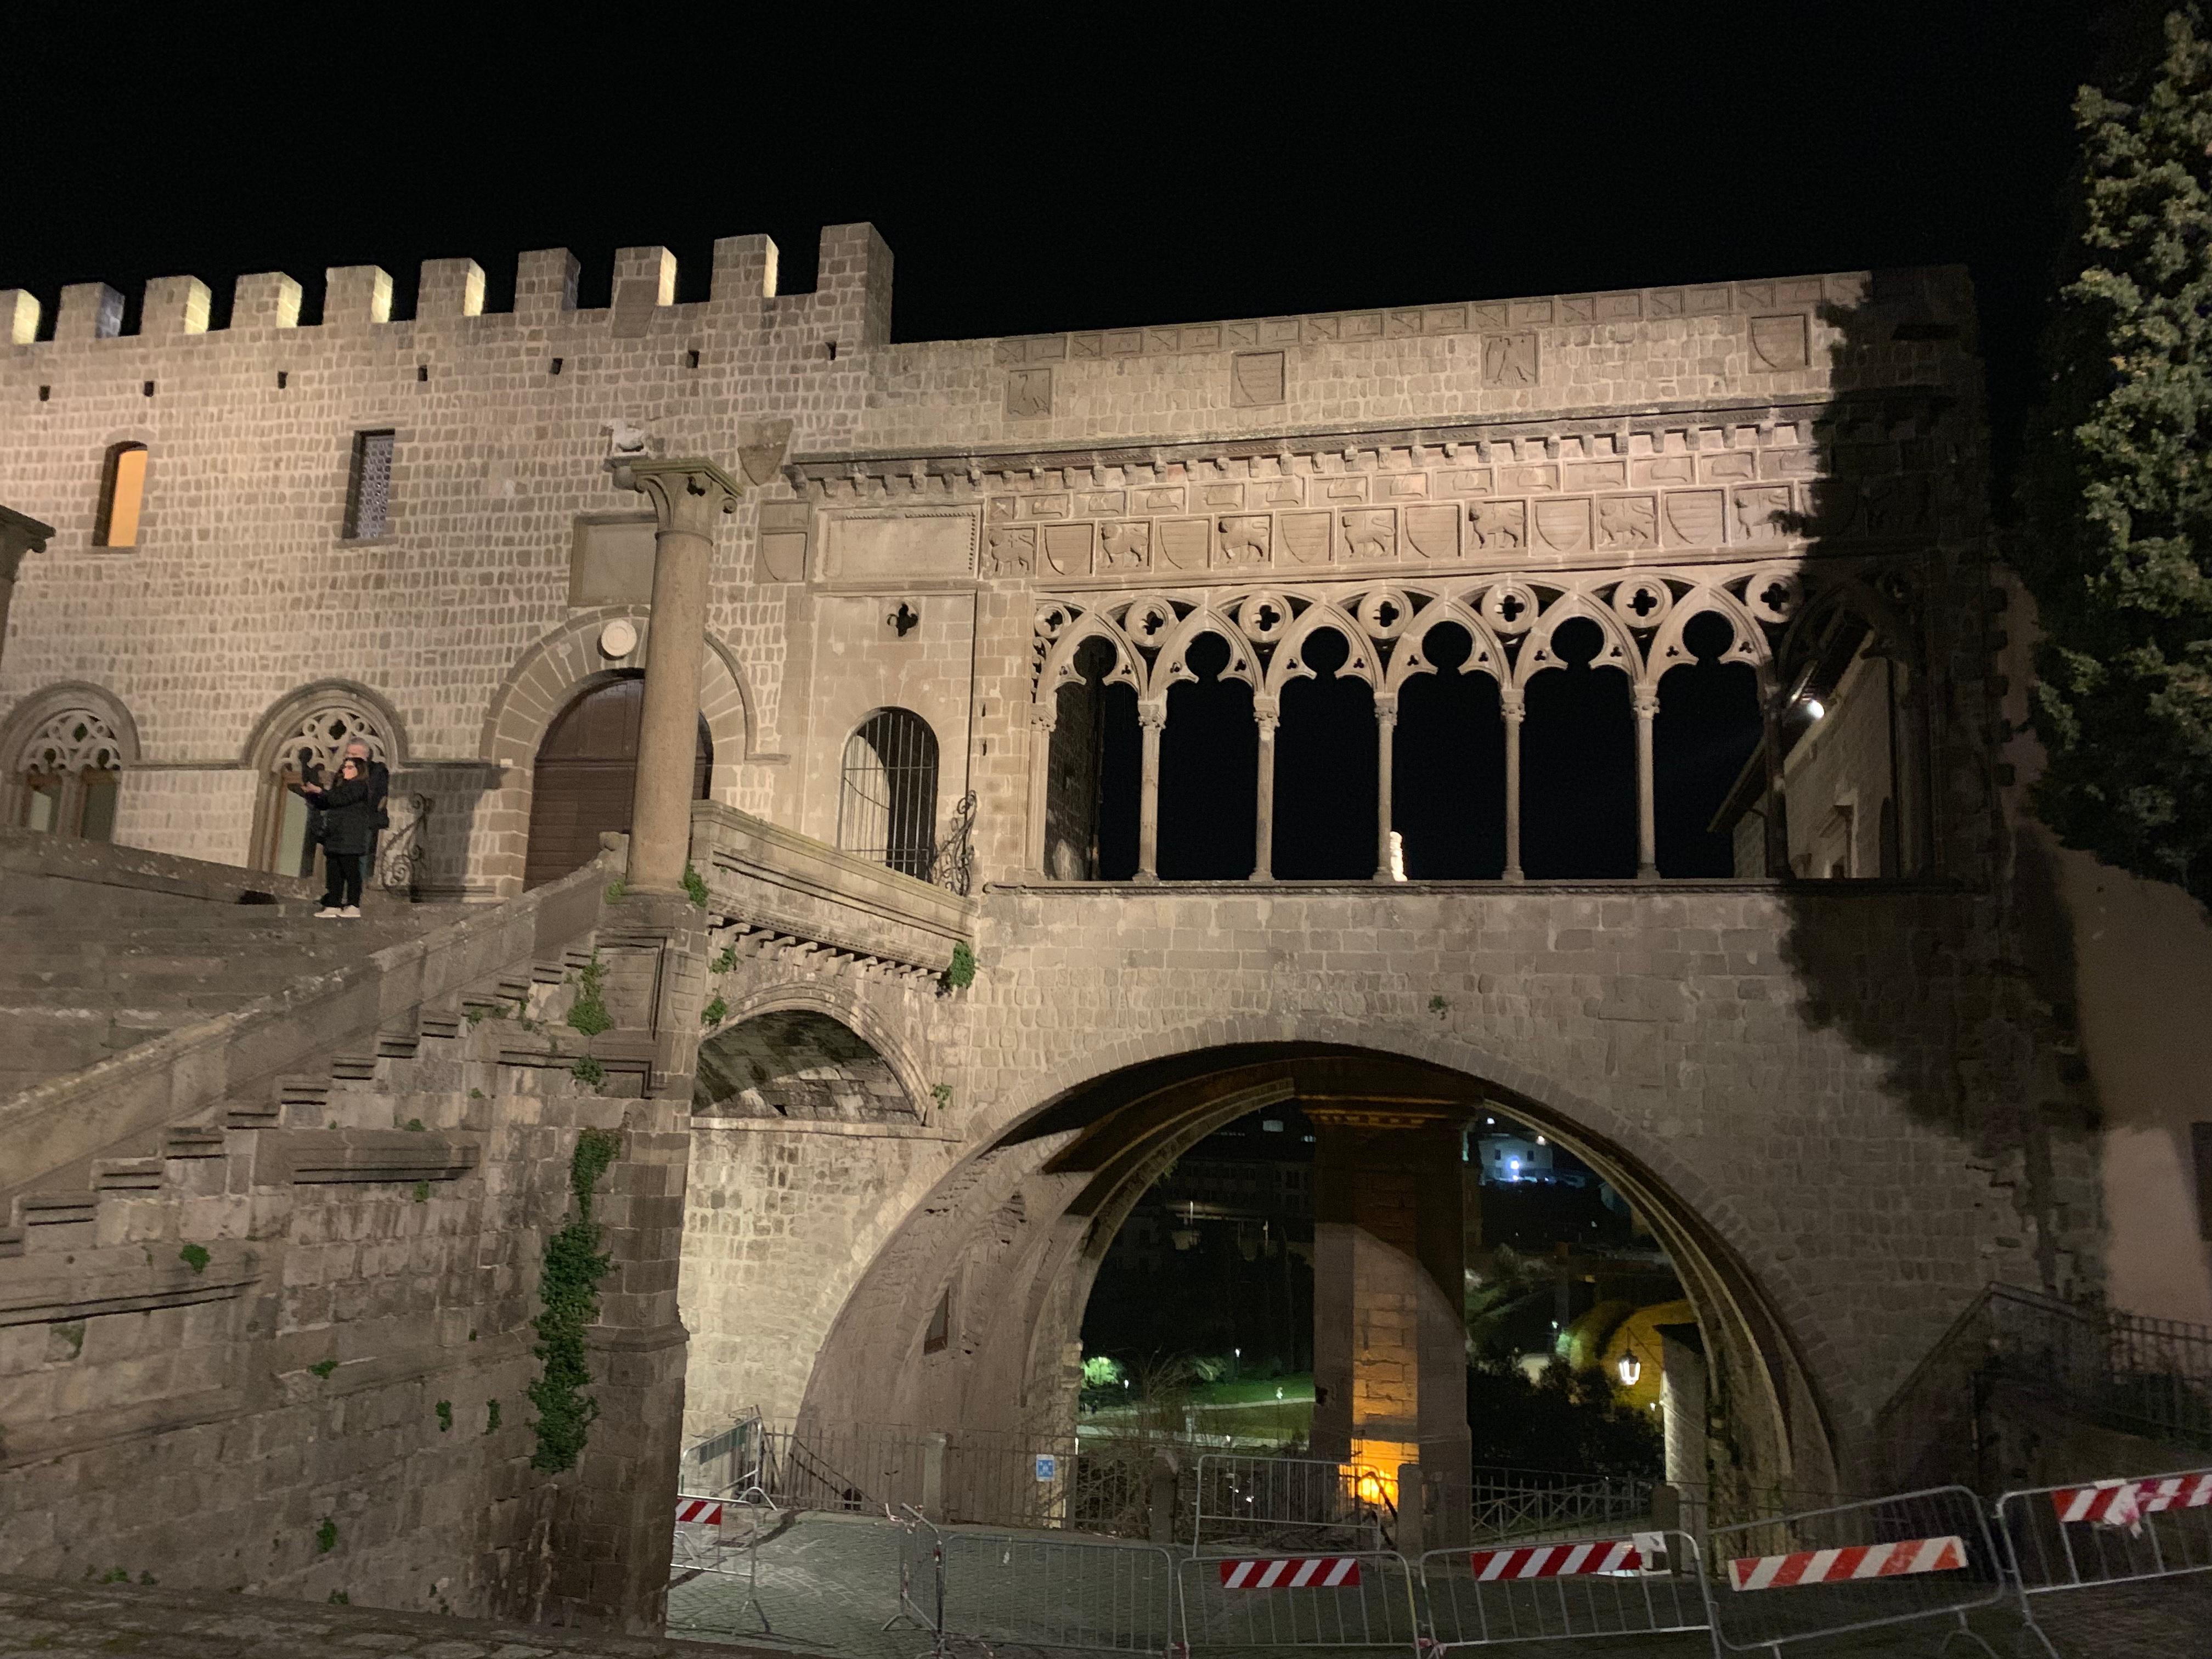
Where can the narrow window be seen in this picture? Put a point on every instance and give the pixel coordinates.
(2200, 1143)
(939, 1335)
(887, 804)
(369, 493)
(122, 493)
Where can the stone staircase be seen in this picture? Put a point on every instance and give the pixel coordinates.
(146, 1032)
(398, 1108)
(72, 995)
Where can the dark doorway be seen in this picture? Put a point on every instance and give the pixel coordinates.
(587, 772)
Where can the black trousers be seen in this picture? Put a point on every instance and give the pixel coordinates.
(342, 878)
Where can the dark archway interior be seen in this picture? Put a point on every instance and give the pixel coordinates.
(1578, 764)
(1209, 759)
(1325, 760)
(1448, 802)
(1706, 732)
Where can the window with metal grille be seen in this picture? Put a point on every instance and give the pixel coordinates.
(887, 808)
(368, 491)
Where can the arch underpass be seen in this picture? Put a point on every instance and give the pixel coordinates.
(968, 1319)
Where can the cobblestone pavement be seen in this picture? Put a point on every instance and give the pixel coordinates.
(830, 1584)
(61, 1621)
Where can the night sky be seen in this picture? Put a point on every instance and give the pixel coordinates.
(1045, 170)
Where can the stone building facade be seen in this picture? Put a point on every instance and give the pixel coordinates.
(953, 573)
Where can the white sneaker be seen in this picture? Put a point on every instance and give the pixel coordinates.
(328, 910)
(351, 913)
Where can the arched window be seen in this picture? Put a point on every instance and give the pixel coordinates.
(67, 776)
(887, 803)
(122, 493)
(311, 748)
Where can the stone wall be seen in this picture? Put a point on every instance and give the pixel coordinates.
(330, 1399)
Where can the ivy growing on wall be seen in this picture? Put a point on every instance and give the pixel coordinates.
(588, 1013)
(569, 1288)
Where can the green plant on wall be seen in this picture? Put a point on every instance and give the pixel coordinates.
(569, 1288)
(194, 1256)
(960, 972)
(724, 963)
(588, 1013)
(326, 1536)
(715, 1012)
(694, 885)
(588, 1070)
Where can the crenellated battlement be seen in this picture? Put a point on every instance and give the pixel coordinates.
(854, 265)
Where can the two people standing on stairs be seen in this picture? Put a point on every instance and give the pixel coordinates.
(349, 814)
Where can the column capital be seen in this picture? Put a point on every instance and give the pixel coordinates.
(1386, 707)
(1645, 699)
(1044, 713)
(1512, 703)
(1267, 711)
(20, 533)
(1152, 715)
(687, 494)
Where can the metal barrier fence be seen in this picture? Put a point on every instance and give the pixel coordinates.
(726, 1463)
(722, 1535)
(1058, 1593)
(2112, 1532)
(922, 1578)
(1506, 1503)
(1857, 1566)
(1275, 1503)
(1359, 1599)
(1647, 1585)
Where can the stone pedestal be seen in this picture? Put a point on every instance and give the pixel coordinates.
(1389, 1325)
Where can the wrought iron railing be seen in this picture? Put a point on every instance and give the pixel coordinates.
(1518, 1502)
(2151, 1376)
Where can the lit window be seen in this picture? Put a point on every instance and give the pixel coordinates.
(67, 776)
(122, 493)
(368, 491)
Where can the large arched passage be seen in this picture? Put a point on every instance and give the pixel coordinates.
(967, 1318)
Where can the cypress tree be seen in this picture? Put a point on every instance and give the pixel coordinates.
(2117, 496)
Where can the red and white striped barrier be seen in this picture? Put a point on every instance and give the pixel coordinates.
(2124, 1503)
(698, 1511)
(1914, 1555)
(1556, 1560)
(1292, 1572)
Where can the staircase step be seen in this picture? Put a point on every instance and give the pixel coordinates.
(193, 1140)
(354, 1068)
(126, 1174)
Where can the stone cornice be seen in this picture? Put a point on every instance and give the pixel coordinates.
(1886, 408)
(20, 533)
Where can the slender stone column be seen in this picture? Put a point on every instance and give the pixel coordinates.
(1514, 708)
(1386, 732)
(1044, 717)
(1645, 699)
(19, 534)
(687, 496)
(1775, 824)
(1267, 711)
(1151, 717)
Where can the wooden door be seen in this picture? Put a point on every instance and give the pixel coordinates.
(587, 772)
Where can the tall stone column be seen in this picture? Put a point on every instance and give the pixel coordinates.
(688, 497)
(20, 533)
(1646, 700)
(1513, 709)
(1268, 713)
(1151, 718)
(1386, 750)
(1389, 1299)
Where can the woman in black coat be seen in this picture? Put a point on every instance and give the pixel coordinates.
(349, 827)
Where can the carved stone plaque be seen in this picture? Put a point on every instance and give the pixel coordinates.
(1370, 534)
(1255, 378)
(1010, 550)
(1305, 537)
(1182, 542)
(1779, 343)
(1125, 546)
(871, 547)
(1067, 548)
(1564, 526)
(1029, 392)
(1499, 526)
(1244, 540)
(1509, 360)
(1762, 515)
(1627, 522)
(1433, 531)
(1693, 518)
